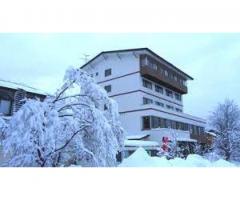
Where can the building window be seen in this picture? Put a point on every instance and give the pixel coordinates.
(158, 89)
(169, 107)
(5, 107)
(194, 129)
(144, 61)
(175, 77)
(146, 122)
(108, 88)
(105, 107)
(169, 93)
(198, 130)
(154, 66)
(166, 73)
(185, 83)
(108, 72)
(178, 110)
(155, 122)
(147, 84)
(185, 127)
(178, 97)
(181, 81)
(201, 130)
(171, 76)
(173, 125)
(147, 101)
(163, 123)
(159, 103)
(168, 123)
(178, 125)
(161, 70)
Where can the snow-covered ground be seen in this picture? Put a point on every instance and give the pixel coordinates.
(140, 158)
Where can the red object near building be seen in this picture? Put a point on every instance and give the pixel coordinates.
(165, 142)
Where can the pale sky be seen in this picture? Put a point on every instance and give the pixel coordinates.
(213, 60)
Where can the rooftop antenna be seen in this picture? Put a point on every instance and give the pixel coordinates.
(85, 57)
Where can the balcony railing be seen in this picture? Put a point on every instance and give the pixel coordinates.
(158, 73)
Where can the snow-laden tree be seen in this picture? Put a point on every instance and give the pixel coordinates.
(3, 126)
(226, 121)
(79, 125)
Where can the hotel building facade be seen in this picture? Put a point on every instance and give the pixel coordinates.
(149, 91)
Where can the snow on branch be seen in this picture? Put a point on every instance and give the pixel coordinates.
(71, 127)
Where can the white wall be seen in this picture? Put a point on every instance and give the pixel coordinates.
(127, 102)
(124, 84)
(132, 123)
(125, 64)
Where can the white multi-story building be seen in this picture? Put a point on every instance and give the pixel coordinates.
(149, 91)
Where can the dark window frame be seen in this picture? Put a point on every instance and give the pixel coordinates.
(146, 122)
(147, 84)
(170, 107)
(147, 101)
(158, 89)
(108, 88)
(159, 104)
(8, 113)
(178, 96)
(108, 72)
(169, 93)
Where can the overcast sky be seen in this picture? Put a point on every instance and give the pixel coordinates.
(213, 60)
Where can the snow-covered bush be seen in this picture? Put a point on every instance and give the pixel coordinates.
(3, 126)
(70, 128)
(226, 121)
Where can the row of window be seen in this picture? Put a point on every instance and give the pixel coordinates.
(159, 89)
(147, 61)
(150, 122)
(107, 72)
(150, 101)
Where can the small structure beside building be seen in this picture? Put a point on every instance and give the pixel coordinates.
(131, 145)
(13, 95)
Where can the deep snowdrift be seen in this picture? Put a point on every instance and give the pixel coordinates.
(140, 158)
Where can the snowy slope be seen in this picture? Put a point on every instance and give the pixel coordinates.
(140, 158)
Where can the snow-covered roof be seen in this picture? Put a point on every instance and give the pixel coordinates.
(16, 86)
(140, 143)
(137, 137)
(211, 133)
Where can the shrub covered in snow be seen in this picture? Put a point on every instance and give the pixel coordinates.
(3, 127)
(68, 128)
(226, 120)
